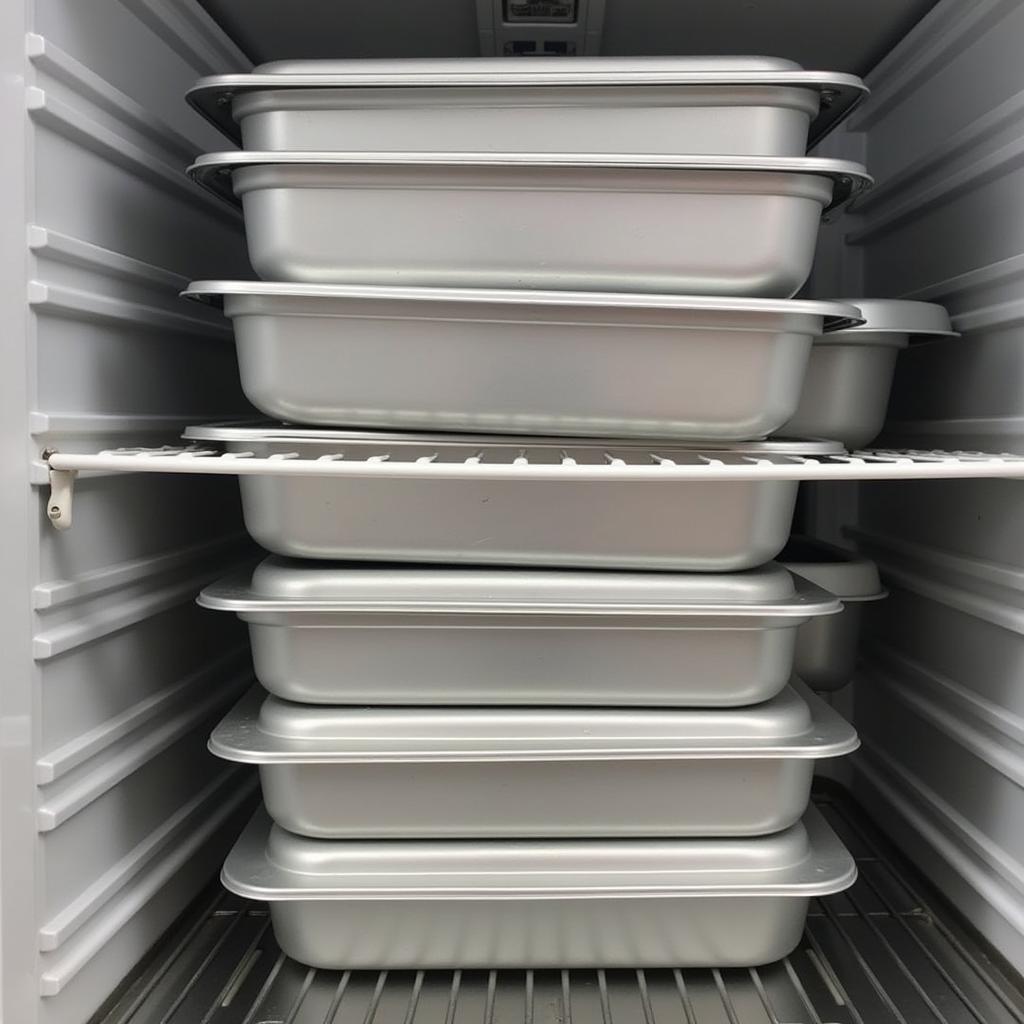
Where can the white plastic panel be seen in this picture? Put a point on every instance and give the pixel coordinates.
(113, 814)
(939, 696)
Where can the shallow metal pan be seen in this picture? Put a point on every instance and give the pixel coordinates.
(337, 633)
(849, 375)
(522, 361)
(588, 222)
(762, 106)
(569, 903)
(397, 502)
(826, 647)
(372, 772)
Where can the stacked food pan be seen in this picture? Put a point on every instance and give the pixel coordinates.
(543, 721)
(826, 648)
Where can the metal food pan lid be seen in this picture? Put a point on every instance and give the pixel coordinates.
(900, 316)
(279, 585)
(839, 92)
(265, 730)
(406, 445)
(835, 569)
(836, 315)
(213, 171)
(805, 860)
(498, 69)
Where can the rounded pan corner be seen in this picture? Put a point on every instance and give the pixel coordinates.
(878, 595)
(228, 594)
(848, 747)
(247, 860)
(830, 734)
(845, 573)
(833, 323)
(812, 599)
(831, 867)
(234, 883)
(207, 293)
(902, 317)
(214, 602)
(226, 752)
(213, 172)
(237, 736)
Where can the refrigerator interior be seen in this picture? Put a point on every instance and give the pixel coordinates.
(114, 816)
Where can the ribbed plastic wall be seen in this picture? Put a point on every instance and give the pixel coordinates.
(940, 701)
(113, 814)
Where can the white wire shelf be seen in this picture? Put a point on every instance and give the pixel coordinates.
(509, 462)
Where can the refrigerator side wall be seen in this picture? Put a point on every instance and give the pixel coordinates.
(114, 815)
(940, 701)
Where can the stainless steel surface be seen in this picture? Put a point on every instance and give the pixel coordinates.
(884, 952)
(335, 772)
(838, 570)
(742, 226)
(527, 71)
(898, 316)
(685, 105)
(680, 902)
(465, 359)
(448, 447)
(400, 510)
(336, 633)
(826, 650)
(849, 374)
(846, 389)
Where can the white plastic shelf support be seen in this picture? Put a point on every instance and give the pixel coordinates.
(508, 464)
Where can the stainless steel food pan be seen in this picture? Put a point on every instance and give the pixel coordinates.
(488, 501)
(826, 648)
(522, 361)
(849, 376)
(373, 772)
(553, 903)
(700, 226)
(756, 106)
(339, 633)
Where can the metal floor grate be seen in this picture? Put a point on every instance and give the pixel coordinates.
(879, 954)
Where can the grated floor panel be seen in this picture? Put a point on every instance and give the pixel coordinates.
(882, 953)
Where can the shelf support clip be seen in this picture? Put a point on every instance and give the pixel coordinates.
(62, 489)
